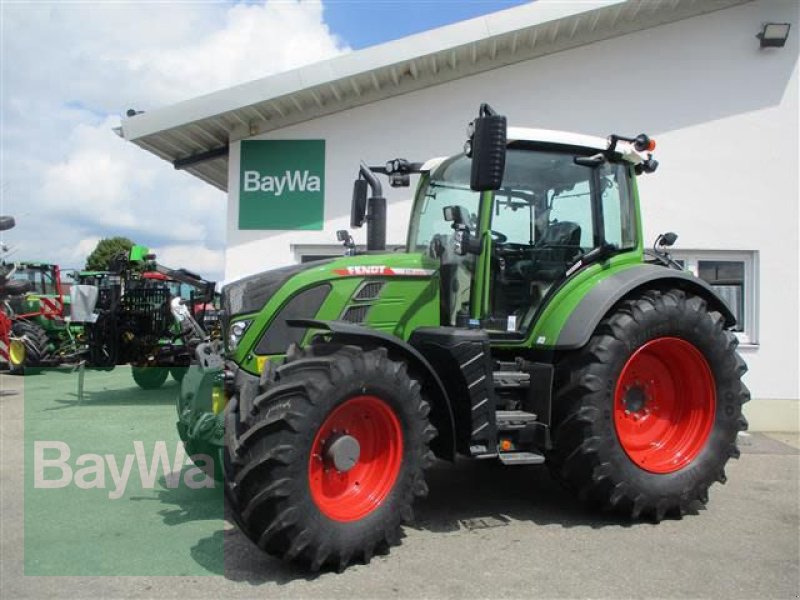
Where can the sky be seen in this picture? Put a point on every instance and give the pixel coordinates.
(68, 70)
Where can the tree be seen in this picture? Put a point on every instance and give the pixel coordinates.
(106, 249)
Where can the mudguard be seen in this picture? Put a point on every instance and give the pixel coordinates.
(602, 297)
(441, 409)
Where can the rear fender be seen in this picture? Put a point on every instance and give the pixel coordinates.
(583, 320)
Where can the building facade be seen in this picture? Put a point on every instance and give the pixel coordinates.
(724, 113)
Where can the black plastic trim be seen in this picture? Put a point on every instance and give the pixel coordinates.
(279, 335)
(602, 297)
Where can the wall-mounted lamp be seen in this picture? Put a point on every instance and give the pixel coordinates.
(774, 35)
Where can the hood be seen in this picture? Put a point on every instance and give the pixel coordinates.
(249, 294)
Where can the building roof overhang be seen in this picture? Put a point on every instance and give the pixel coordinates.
(194, 135)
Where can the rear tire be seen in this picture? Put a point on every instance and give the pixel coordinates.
(647, 414)
(150, 378)
(28, 347)
(292, 492)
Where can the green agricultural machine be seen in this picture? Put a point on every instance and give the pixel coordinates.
(524, 323)
(142, 320)
(41, 334)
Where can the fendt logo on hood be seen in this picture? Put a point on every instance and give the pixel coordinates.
(290, 180)
(282, 184)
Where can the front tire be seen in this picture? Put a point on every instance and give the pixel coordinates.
(647, 414)
(324, 458)
(28, 347)
(150, 378)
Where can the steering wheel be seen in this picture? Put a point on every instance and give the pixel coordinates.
(498, 237)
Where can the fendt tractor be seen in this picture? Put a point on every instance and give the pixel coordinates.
(524, 323)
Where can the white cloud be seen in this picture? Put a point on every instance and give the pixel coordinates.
(69, 69)
(203, 260)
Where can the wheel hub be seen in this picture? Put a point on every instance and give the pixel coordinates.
(355, 458)
(664, 405)
(634, 399)
(342, 452)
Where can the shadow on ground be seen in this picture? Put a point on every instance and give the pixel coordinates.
(123, 391)
(467, 496)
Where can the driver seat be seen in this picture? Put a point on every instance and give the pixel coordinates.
(561, 233)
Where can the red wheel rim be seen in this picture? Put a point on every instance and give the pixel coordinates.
(664, 405)
(353, 494)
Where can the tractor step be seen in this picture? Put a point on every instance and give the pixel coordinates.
(514, 419)
(521, 458)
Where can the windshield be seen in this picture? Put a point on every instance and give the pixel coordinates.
(447, 186)
(40, 278)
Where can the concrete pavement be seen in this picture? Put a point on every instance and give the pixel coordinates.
(484, 531)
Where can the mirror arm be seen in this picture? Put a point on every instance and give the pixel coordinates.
(372, 180)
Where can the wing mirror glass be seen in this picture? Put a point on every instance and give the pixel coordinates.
(358, 208)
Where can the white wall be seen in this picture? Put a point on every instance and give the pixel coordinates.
(725, 116)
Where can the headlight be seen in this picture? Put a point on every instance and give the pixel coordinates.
(235, 334)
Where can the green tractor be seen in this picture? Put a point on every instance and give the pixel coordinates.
(524, 323)
(41, 334)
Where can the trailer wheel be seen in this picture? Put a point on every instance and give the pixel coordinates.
(28, 347)
(150, 378)
(647, 414)
(326, 455)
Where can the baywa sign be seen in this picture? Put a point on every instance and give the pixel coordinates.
(282, 184)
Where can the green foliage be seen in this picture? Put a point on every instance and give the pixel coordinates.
(105, 250)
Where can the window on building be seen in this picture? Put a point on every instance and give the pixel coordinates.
(733, 276)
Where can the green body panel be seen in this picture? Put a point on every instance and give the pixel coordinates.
(479, 297)
(552, 318)
(406, 302)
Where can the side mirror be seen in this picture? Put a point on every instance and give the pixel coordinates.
(487, 147)
(358, 208)
(667, 239)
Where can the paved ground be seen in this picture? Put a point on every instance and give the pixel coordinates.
(484, 531)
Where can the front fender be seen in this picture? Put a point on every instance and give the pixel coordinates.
(441, 409)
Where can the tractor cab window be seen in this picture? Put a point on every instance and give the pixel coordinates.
(543, 222)
(41, 280)
(448, 185)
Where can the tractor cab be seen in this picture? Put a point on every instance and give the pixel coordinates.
(45, 296)
(503, 252)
